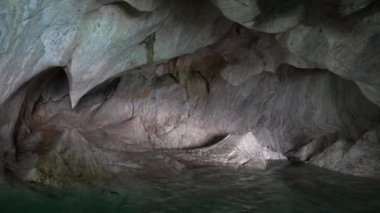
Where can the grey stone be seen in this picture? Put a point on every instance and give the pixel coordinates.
(89, 38)
(350, 52)
(234, 150)
(244, 11)
(280, 16)
(145, 5)
(360, 158)
(174, 78)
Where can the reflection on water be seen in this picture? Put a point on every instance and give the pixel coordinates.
(205, 189)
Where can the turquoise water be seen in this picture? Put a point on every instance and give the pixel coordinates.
(204, 189)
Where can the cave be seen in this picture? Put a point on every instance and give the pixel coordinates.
(190, 105)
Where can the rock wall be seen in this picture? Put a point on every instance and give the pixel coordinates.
(86, 83)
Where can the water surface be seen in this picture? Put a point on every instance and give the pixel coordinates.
(204, 189)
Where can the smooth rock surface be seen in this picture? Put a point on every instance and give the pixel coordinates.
(235, 150)
(358, 158)
(97, 42)
(145, 5)
(300, 77)
(243, 12)
(144, 112)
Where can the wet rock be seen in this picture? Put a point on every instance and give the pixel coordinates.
(73, 158)
(357, 158)
(70, 158)
(234, 150)
(315, 147)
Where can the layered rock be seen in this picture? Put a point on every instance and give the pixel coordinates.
(360, 157)
(235, 150)
(296, 78)
(96, 41)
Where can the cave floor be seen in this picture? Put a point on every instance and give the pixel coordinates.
(288, 188)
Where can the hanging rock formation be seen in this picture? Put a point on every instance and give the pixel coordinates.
(85, 85)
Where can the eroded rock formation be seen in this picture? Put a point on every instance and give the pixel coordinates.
(85, 85)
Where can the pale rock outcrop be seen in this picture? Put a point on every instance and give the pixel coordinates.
(312, 149)
(265, 16)
(72, 158)
(351, 52)
(157, 36)
(243, 12)
(97, 42)
(359, 158)
(234, 150)
(279, 16)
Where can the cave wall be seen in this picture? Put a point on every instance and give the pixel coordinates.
(82, 81)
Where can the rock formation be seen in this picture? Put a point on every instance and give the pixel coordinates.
(85, 85)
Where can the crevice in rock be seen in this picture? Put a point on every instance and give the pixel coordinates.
(129, 9)
(27, 121)
(214, 140)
